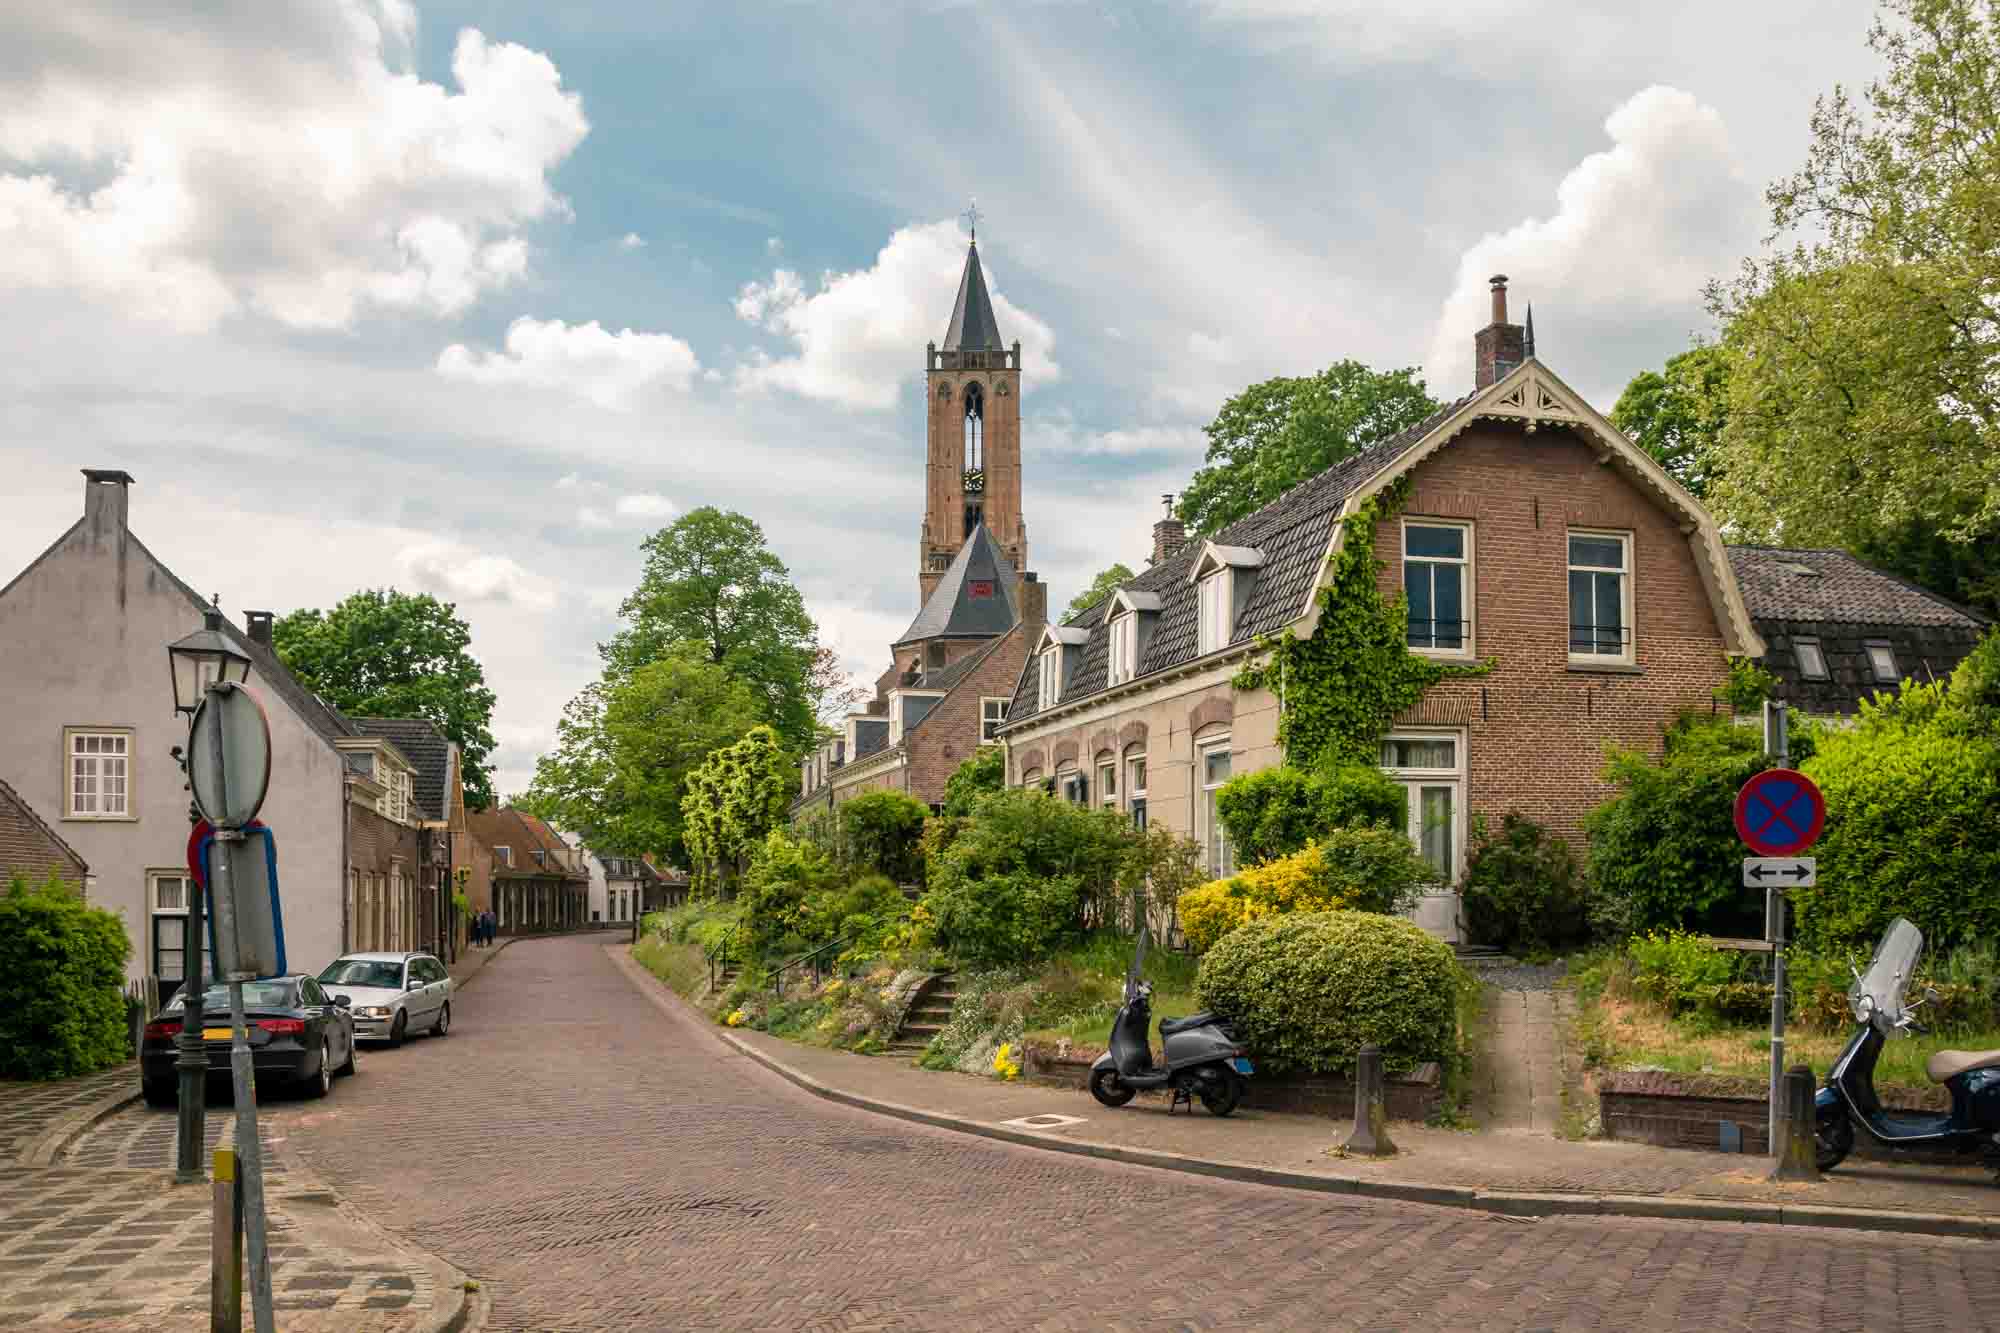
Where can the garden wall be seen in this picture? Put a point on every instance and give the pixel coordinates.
(1713, 1113)
(1416, 1096)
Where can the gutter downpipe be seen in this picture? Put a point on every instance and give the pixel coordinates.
(346, 869)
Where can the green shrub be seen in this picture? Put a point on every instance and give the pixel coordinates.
(861, 912)
(1023, 874)
(1275, 812)
(880, 833)
(1523, 890)
(1912, 824)
(985, 772)
(1307, 991)
(62, 977)
(784, 872)
(1664, 851)
(1368, 868)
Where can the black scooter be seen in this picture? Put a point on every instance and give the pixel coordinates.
(1203, 1057)
(1848, 1099)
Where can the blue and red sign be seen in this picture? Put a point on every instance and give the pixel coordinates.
(1780, 813)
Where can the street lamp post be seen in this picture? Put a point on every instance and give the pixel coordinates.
(199, 661)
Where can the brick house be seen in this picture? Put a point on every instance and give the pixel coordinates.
(83, 633)
(31, 849)
(538, 881)
(436, 810)
(1837, 630)
(953, 670)
(1536, 535)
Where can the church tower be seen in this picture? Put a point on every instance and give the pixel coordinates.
(973, 474)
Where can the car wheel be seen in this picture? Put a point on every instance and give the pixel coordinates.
(321, 1082)
(442, 1028)
(159, 1092)
(353, 1055)
(400, 1028)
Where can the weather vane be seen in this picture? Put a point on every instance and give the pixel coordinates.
(971, 216)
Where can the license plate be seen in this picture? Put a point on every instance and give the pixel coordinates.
(216, 1034)
(1241, 1066)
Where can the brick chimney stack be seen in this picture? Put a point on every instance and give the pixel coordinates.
(1034, 603)
(1500, 346)
(259, 625)
(1169, 535)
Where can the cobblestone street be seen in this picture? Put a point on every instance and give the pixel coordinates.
(599, 1163)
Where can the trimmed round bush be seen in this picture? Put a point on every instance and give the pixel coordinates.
(1308, 990)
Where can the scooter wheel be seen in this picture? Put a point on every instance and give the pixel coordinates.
(1833, 1139)
(1108, 1088)
(1223, 1093)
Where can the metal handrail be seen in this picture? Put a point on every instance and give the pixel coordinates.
(813, 956)
(719, 954)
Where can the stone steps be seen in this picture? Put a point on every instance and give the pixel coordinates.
(925, 1019)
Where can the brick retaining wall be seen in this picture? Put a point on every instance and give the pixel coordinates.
(1698, 1111)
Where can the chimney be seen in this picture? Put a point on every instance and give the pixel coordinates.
(1169, 535)
(104, 499)
(1500, 346)
(1034, 603)
(259, 625)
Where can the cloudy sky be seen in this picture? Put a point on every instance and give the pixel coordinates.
(468, 296)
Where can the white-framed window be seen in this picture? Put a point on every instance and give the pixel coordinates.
(1212, 617)
(992, 712)
(98, 763)
(1031, 779)
(505, 856)
(1437, 583)
(1430, 767)
(1107, 783)
(167, 895)
(1212, 762)
(1070, 783)
(1600, 596)
(1124, 648)
(1812, 662)
(1048, 681)
(1882, 662)
(1135, 785)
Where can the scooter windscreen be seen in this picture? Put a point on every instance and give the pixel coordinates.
(1877, 995)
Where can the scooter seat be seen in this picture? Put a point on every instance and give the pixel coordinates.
(1169, 1026)
(1947, 1065)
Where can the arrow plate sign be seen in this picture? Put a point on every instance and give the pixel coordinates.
(1780, 872)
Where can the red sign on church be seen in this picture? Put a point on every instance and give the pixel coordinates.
(979, 588)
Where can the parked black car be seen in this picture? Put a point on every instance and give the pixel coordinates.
(298, 1034)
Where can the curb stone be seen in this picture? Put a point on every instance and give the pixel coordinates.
(1504, 1202)
(72, 1125)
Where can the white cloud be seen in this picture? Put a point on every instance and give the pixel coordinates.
(456, 571)
(1637, 229)
(274, 161)
(645, 505)
(631, 240)
(609, 369)
(1058, 436)
(860, 335)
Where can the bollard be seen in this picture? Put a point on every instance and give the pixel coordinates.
(1798, 1155)
(1371, 1120)
(225, 1278)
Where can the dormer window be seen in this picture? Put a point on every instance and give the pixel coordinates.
(1124, 647)
(1223, 577)
(1048, 677)
(1133, 614)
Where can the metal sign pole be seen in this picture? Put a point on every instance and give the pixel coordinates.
(243, 1082)
(1774, 918)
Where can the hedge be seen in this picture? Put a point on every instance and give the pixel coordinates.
(1368, 869)
(1307, 991)
(62, 977)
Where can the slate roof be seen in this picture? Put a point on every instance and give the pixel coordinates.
(1845, 606)
(1292, 532)
(30, 847)
(424, 746)
(951, 611)
(972, 327)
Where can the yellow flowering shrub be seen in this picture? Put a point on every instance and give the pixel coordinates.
(735, 1018)
(1007, 1061)
(1295, 883)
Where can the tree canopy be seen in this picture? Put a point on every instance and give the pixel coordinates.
(712, 582)
(1863, 405)
(1274, 435)
(1100, 587)
(384, 653)
(1675, 413)
(626, 746)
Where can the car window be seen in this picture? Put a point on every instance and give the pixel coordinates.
(363, 972)
(436, 969)
(313, 994)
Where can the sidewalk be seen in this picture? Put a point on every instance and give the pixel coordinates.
(94, 1234)
(1515, 1171)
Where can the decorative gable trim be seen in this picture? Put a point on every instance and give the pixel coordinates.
(1531, 394)
(1135, 601)
(1062, 636)
(1216, 556)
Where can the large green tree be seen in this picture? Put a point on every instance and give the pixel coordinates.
(1274, 435)
(1100, 587)
(1675, 413)
(711, 581)
(384, 653)
(1864, 357)
(626, 746)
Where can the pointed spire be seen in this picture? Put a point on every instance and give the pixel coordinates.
(972, 325)
(1528, 337)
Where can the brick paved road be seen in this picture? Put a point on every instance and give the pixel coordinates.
(603, 1165)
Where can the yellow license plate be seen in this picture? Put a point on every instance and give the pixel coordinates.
(216, 1034)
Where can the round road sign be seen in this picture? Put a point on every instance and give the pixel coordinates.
(229, 779)
(196, 869)
(1779, 813)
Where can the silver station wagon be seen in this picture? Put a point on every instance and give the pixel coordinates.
(392, 994)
